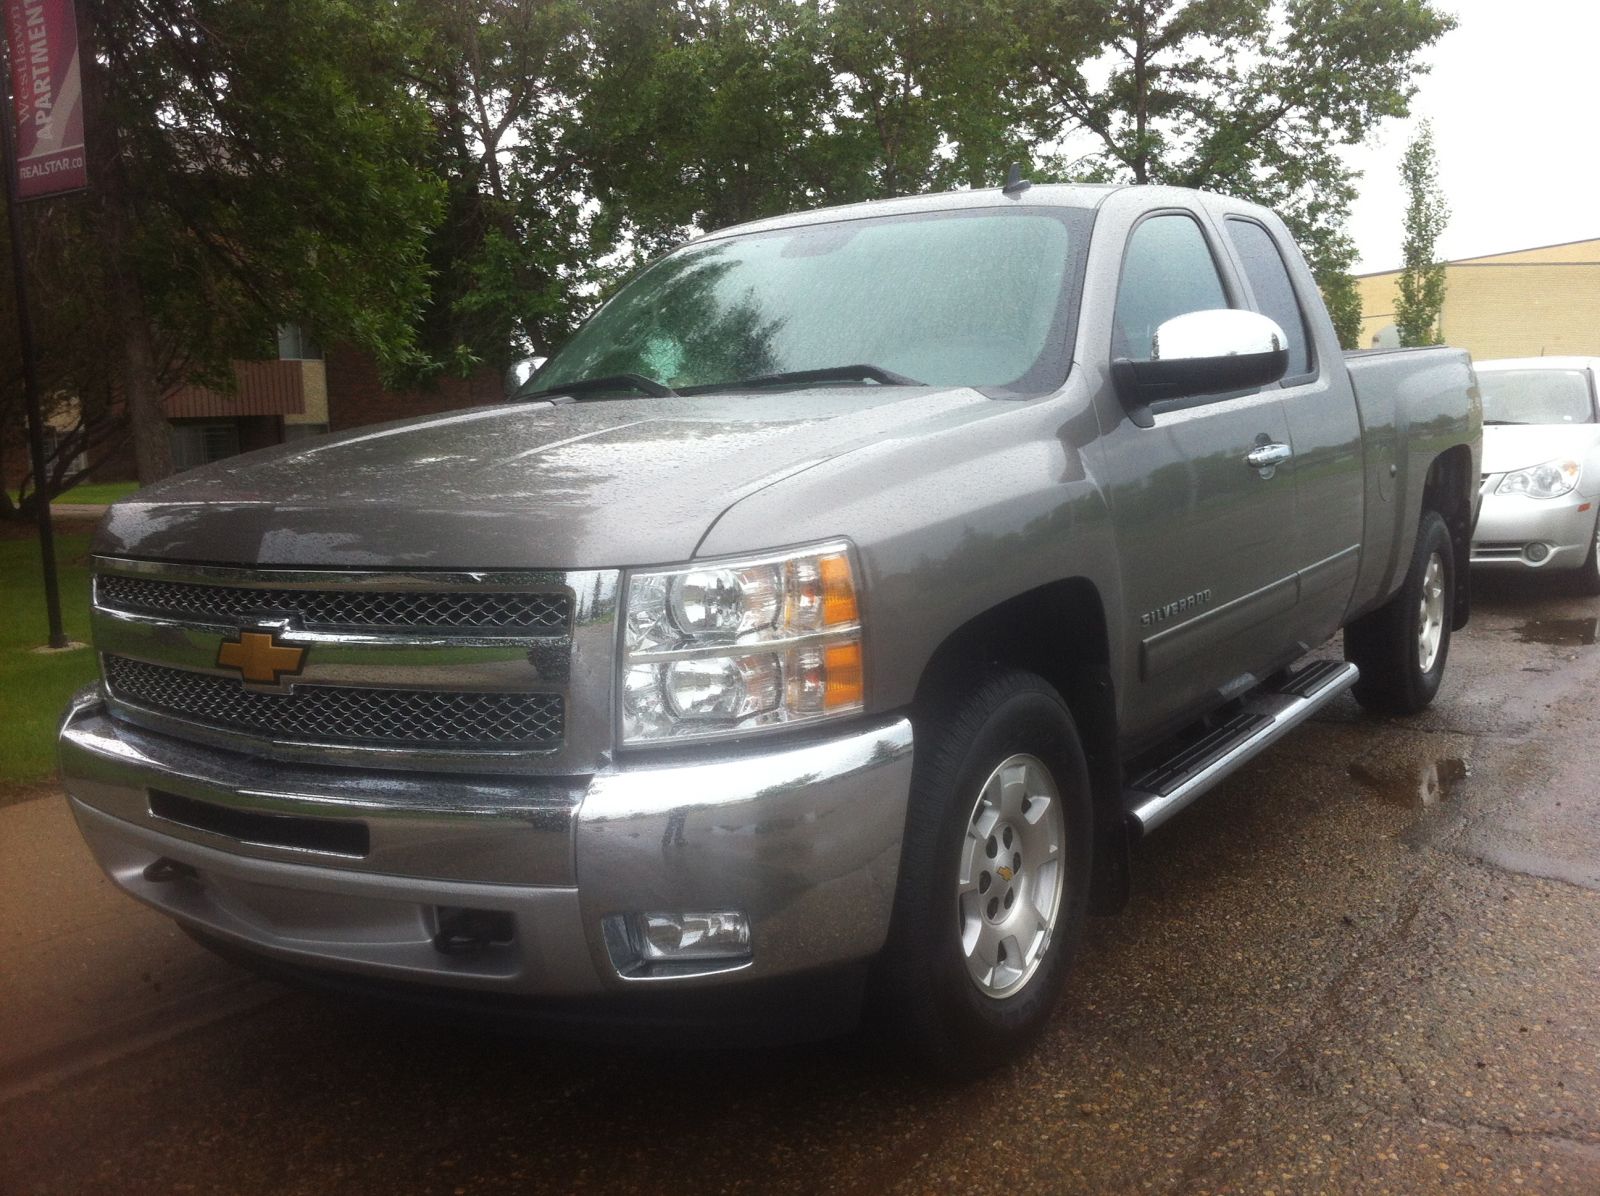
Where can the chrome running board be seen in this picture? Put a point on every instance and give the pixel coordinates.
(1159, 793)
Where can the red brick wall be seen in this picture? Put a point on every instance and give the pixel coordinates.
(357, 397)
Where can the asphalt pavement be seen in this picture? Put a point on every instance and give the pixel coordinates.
(1370, 962)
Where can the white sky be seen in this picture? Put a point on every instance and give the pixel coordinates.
(1514, 96)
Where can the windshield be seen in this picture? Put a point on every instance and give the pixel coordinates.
(974, 298)
(1536, 397)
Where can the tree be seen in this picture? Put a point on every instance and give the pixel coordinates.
(252, 162)
(1246, 96)
(1422, 275)
(1340, 295)
(705, 113)
(71, 329)
(503, 80)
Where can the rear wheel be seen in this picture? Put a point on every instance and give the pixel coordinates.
(994, 877)
(1402, 646)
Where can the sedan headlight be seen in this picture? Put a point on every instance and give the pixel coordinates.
(722, 647)
(1550, 480)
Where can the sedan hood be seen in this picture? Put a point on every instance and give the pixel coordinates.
(595, 484)
(1516, 446)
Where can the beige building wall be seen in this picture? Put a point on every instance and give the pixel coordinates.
(1525, 303)
(314, 377)
(1571, 251)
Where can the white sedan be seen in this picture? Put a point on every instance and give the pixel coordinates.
(1541, 467)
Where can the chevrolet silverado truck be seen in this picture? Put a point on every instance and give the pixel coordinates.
(813, 634)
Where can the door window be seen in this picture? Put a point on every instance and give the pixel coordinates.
(1275, 297)
(1167, 271)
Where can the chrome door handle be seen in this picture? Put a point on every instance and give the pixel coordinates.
(1268, 456)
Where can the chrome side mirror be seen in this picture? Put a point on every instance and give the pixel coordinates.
(1202, 353)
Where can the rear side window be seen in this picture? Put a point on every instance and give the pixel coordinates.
(1269, 280)
(1167, 271)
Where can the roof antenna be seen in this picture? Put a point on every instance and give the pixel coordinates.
(1015, 183)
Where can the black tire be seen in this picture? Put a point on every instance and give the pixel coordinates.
(1586, 580)
(924, 990)
(1385, 644)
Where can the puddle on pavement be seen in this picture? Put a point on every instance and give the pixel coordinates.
(1418, 787)
(1567, 633)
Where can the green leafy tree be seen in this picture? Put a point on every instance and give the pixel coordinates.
(1422, 275)
(1343, 300)
(705, 113)
(1250, 97)
(252, 162)
(928, 96)
(510, 258)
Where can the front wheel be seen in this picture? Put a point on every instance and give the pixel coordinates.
(1402, 646)
(994, 876)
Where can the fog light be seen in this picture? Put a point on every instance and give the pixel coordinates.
(1536, 552)
(716, 934)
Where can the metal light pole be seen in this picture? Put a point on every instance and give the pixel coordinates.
(30, 374)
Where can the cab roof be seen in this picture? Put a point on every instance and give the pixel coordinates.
(1060, 195)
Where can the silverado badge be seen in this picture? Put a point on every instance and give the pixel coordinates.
(260, 658)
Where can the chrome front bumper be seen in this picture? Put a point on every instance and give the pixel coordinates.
(803, 838)
(1508, 524)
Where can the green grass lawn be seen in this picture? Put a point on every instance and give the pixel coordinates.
(34, 687)
(97, 492)
(94, 492)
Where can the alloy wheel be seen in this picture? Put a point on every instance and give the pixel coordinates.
(1009, 890)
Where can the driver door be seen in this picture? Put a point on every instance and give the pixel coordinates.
(1206, 540)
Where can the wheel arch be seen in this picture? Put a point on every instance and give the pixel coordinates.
(1059, 632)
(1451, 489)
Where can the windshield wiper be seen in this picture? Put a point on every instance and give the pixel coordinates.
(832, 373)
(1515, 422)
(638, 382)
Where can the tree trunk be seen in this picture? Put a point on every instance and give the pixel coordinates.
(141, 392)
(141, 389)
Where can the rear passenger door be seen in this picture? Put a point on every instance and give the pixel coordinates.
(1324, 427)
(1205, 540)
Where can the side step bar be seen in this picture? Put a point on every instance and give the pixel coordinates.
(1158, 794)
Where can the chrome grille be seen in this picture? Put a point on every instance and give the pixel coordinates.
(336, 714)
(483, 611)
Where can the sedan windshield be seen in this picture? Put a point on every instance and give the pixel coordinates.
(1536, 397)
(965, 298)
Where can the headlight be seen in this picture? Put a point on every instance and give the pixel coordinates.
(722, 647)
(1550, 480)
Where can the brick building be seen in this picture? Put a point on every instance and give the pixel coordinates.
(302, 393)
(1524, 303)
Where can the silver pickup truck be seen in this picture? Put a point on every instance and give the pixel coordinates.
(814, 633)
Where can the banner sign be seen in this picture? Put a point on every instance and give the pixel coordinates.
(46, 96)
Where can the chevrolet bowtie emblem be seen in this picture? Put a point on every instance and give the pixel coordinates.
(260, 658)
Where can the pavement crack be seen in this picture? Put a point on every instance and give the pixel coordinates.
(1590, 1141)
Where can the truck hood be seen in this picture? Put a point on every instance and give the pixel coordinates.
(1516, 446)
(595, 484)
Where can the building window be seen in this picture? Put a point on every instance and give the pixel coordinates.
(295, 344)
(202, 443)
